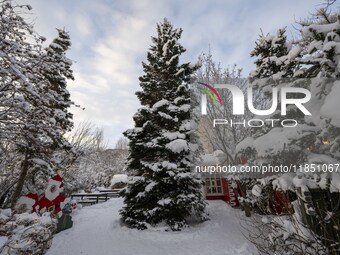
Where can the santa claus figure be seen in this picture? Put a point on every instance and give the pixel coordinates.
(49, 202)
(52, 198)
(54, 187)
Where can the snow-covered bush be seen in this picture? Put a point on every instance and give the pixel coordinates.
(310, 225)
(27, 233)
(284, 235)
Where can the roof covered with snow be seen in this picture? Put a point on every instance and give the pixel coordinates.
(117, 178)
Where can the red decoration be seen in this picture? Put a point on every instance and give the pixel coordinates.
(231, 191)
(53, 206)
(49, 202)
(28, 202)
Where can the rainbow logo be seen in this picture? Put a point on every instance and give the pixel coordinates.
(213, 94)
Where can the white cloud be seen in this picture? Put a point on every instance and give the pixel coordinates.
(83, 24)
(106, 83)
(110, 38)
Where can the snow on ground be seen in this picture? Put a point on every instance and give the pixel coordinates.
(97, 230)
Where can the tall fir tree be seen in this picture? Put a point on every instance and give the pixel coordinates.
(51, 118)
(271, 52)
(57, 70)
(313, 64)
(275, 64)
(163, 189)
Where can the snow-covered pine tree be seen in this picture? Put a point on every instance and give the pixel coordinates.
(56, 70)
(163, 189)
(271, 52)
(315, 54)
(321, 49)
(51, 117)
(275, 64)
(315, 59)
(316, 138)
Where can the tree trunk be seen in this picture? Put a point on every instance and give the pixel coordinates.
(246, 206)
(247, 209)
(21, 180)
(4, 194)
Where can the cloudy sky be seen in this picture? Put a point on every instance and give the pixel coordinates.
(110, 39)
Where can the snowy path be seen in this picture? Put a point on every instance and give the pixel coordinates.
(97, 231)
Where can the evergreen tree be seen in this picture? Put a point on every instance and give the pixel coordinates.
(275, 65)
(314, 59)
(272, 56)
(45, 125)
(163, 189)
(50, 118)
(56, 70)
(313, 55)
(314, 142)
(321, 63)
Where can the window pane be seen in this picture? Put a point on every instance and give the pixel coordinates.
(213, 190)
(218, 182)
(219, 190)
(213, 183)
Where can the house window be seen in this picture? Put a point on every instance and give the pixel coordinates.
(213, 185)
